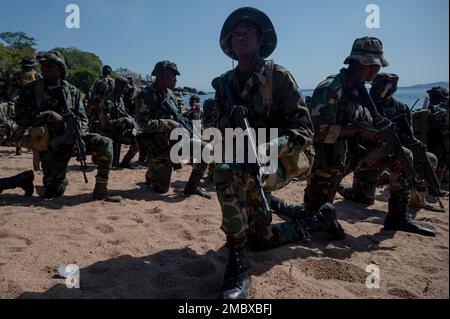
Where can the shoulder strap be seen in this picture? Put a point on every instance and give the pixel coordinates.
(266, 86)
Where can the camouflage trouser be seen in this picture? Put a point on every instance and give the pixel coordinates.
(240, 206)
(55, 162)
(441, 150)
(365, 181)
(333, 162)
(132, 151)
(160, 166)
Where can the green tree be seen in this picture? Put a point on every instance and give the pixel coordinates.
(18, 45)
(77, 59)
(17, 40)
(83, 79)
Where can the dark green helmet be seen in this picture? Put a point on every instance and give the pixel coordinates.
(165, 65)
(28, 62)
(269, 36)
(438, 91)
(368, 51)
(385, 84)
(55, 57)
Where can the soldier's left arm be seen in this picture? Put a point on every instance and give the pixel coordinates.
(295, 126)
(80, 111)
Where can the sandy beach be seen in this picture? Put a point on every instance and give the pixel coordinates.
(170, 246)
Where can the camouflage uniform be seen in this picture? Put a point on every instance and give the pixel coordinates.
(108, 120)
(335, 107)
(235, 188)
(102, 91)
(154, 139)
(130, 96)
(431, 126)
(191, 114)
(209, 120)
(272, 99)
(209, 117)
(31, 106)
(365, 181)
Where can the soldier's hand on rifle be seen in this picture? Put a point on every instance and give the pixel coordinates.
(53, 118)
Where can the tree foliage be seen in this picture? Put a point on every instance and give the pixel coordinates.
(17, 40)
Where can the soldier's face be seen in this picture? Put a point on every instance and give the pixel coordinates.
(50, 71)
(167, 79)
(245, 39)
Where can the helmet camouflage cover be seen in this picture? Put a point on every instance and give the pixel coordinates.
(269, 36)
(368, 51)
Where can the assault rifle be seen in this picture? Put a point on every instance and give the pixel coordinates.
(387, 131)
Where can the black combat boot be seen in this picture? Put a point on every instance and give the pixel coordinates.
(101, 191)
(349, 194)
(192, 187)
(237, 279)
(197, 191)
(324, 221)
(23, 180)
(18, 151)
(399, 218)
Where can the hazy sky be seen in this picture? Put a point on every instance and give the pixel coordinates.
(314, 37)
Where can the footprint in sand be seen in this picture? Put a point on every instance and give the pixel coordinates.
(330, 269)
(105, 228)
(430, 270)
(402, 293)
(187, 235)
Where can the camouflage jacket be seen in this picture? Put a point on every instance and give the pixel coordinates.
(286, 110)
(103, 89)
(36, 98)
(209, 116)
(106, 119)
(152, 117)
(438, 134)
(393, 109)
(129, 98)
(333, 107)
(191, 115)
(150, 112)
